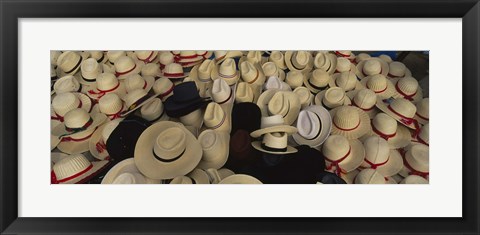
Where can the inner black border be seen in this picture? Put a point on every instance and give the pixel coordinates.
(12, 10)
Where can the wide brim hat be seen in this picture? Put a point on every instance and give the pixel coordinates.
(153, 168)
(230, 80)
(98, 119)
(100, 152)
(384, 64)
(401, 139)
(291, 67)
(384, 108)
(125, 166)
(362, 129)
(258, 146)
(97, 167)
(371, 112)
(387, 93)
(318, 99)
(133, 109)
(280, 128)
(74, 147)
(324, 131)
(415, 99)
(240, 179)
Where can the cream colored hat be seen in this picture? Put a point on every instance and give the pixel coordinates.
(416, 161)
(326, 62)
(386, 58)
(345, 65)
(364, 99)
(398, 70)
(90, 69)
(68, 83)
(215, 145)
(135, 99)
(54, 57)
(165, 59)
(254, 57)
(163, 87)
(345, 55)
(65, 102)
(204, 70)
(276, 84)
(414, 179)
(317, 80)
(350, 122)
(332, 98)
(135, 81)
(345, 80)
(216, 118)
(244, 93)
(271, 69)
(218, 175)
(274, 123)
(372, 66)
(380, 157)
(106, 83)
(423, 136)
(360, 57)
(369, 176)
(185, 57)
(126, 172)
(278, 58)
(387, 128)
(96, 144)
(99, 56)
(76, 121)
(147, 56)
(69, 62)
(342, 155)
(221, 56)
(251, 73)
(294, 79)
(151, 69)
(222, 93)
(197, 176)
(111, 105)
(174, 71)
(166, 150)
(314, 125)
(205, 54)
(422, 113)
(401, 110)
(240, 179)
(76, 169)
(284, 103)
(274, 143)
(408, 88)
(301, 61)
(114, 55)
(126, 66)
(154, 111)
(226, 70)
(304, 95)
(379, 84)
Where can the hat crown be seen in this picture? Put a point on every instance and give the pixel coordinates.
(372, 67)
(377, 149)
(227, 68)
(294, 78)
(319, 78)
(70, 165)
(205, 69)
(162, 85)
(254, 56)
(303, 94)
(270, 121)
(308, 124)
(65, 102)
(173, 68)
(423, 108)
(377, 83)
(90, 68)
(114, 55)
(343, 64)
(277, 140)
(110, 104)
(270, 69)
(418, 157)
(214, 115)
(166, 58)
(347, 80)
(403, 107)
(334, 97)
(221, 91)
(362, 56)
(143, 55)
(322, 61)
(279, 104)
(385, 124)
(152, 110)
(424, 133)
(151, 69)
(170, 143)
(244, 93)
(133, 96)
(300, 59)
(68, 60)
(346, 117)
(408, 85)
(335, 147)
(129, 178)
(274, 82)
(365, 99)
(106, 81)
(96, 54)
(397, 69)
(124, 64)
(134, 81)
(76, 118)
(276, 56)
(369, 176)
(208, 139)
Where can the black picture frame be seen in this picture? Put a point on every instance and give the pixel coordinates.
(11, 11)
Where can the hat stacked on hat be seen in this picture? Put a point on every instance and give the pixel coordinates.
(274, 133)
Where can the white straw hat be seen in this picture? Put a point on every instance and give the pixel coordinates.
(76, 169)
(166, 150)
(423, 136)
(216, 118)
(96, 144)
(350, 122)
(276, 83)
(147, 56)
(126, 172)
(274, 143)
(135, 99)
(345, 65)
(414, 179)
(294, 79)
(317, 80)
(408, 88)
(65, 102)
(126, 66)
(78, 120)
(218, 175)
(271, 69)
(135, 81)
(380, 157)
(99, 56)
(364, 99)
(215, 145)
(342, 155)
(401, 110)
(90, 69)
(369, 176)
(360, 57)
(386, 58)
(226, 70)
(332, 98)
(114, 55)
(345, 80)
(278, 58)
(111, 105)
(240, 179)
(244, 93)
(326, 62)
(379, 84)
(221, 56)
(398, 69)
(106, 83)
(154, 111)
(314, 125)
(68, 83)
(251, 73)
(165, 59)
(274, 123)
(345, 55)
(301, 61)
(197, 176)
(422, 113)
(284, 103)
(387, 128)
(416, 161)
(174, 71)
(151, 69)
(69, 62)
(204, 70)
(305, 96)
(254, 57)
(163, 87)
(372, 66)
(222, 93)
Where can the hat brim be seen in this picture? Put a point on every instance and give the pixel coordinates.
(230, 54)
(240, 179)
(387, 93)
(326, 127)
(125, 166)
(384, 108)
(307, 84)
(361, 64)
(74, 147)
(393, 165)
(97, 167)
(281, 128)
(92, 142)
(94, 93)
(258, 146)
(151, 167)
(98, 119)
(86, 101)
(362, 129)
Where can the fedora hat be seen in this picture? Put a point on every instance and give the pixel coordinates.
(271, 69)
(264, 99)
(215, 145)
(284, 103)
(401, 110)
(147, 56)
(222, 93)
(361, 57)
(380, 157)
(76, 169)
(68, 83)
(216, 118)
(99, 56)
(254, 57)
(166, 150)
(244, 93)
(174, 71)
(111, 105)
(414, 179)
(317, 80)
(69, 62)
(114, 55)
(275, 83)
(332, 98)
(120, 136)
(65, 102)
(350, 122)
(126, 66)
(135, 99)
(326, 62)
(226, 70)
(185, 99)
(274, 143)
(163, 87)
(387, 128)
(304, 95)
(422, 113)
(314, 125)
(372, 66)
(90, 69)
(77, 121)
(153, 111)
(165, 59)
(301, 61)
(342, 155)
(386, 58)
(379, 84)
(216, 176)
(345, 65)
(278, 58)
(126, 172)
(135, 81)
(408, 88)
(252, 73)
(96, 144)
(204, 70)
(345, 55)
(54, 57)
(221, 56)
(364, 99)
(295, 79)
(416, 161)
(197, 176)
(345, 80)
(245, 116)
(398, 70)
(151, 69)
(106, 83)
(271, 124)
(240, 179)
(369, 176)
(423, 135)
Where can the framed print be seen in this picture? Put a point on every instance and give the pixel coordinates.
(239, 117)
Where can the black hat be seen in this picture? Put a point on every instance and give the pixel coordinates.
(122, 140)
(185, 99)
(246, 116)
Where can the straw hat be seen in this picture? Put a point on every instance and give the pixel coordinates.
(135, 99)
(106, 83)
(278, 58)
(227, 70)
(422, 113)
(163, 87)
(215, 145)
(187, 57)
(408, 88)
(345, 55)
(401, 110)
(274, 123)
(295, 79)
(204, 71)
(398, 70)
(326, 62)
(276, 84)
(361, 57)
(386, 58)
(345, 65)
(251, 73)
(369, 176)
(165, 59)
(380, 157)
(414, 179)
(166, 150)
(114, 55)
(254, 57)
(216, 176)
(151, 69)
(174, 71)
(54, 57)
(222, 93)
(67, 83)
(135, 81)
(317, 80)
(379, 84)
(301, 61)
(364, 99)
(345, 80)
(96, 144)
(342, 155)
(99, 56)
(90, 69)
(221, 56)
(126, 172)
(69, 62)
(76, 169)
(193, 121)
(153, 111)
(304, 95)
(274, 143)
(314, 125)
(216, 118)
(387, 128)
(416, 161)
(126, 66)
(147, 56)
(197, 176)
(205, 54)
(350, 122)
(332, 98)
(271, 69)
(423, 136)
(284, 103)
(244, 93)
(372, 66)
(65, 102)
(111, 105)
(240, 179)
(76, 121)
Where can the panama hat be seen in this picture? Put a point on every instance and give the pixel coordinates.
(345, 65)
(215, 145)
(244, 93)
(151, 70)
(401, 110)
(166, 150)
(216, 176)
(163, 87)
(361, 57)
(90, 69)
(416, 161)
(174, 71)
(252, 73)
(193, 121)
(294, 79)
(379, 84)
(414, 179)
(369, 176)
(387, 128)
(96, 144)
(284, 103)
(342, 155)
(240, 179)
(114, 55)
(254, 57)
(423, 136)
(372, 66)
(69, 62)
(345, 80)
(68, 83)
(165, 59)
(380, 157)
(205, 70)
(325, 61)
(364, 99)
(301, 61)
(271, 69)
(274, 143)
(278, 58)
(153, 111)
(276, 84)
(422, 113)
(227, 70)
(65, 102)
(76, 169)
(408, 88)
(221, 56)
(222, 93)
(314, 125)
(274, 123)
(317, 80)
(126, 172)
(185, 99)
(135, 81)
(304, 95)
(99, 56)
(398, 70)
(246, 116)
(345, 55)
(78, 120)
(216, 118)
(350, 122)
(147, 56)
(264, 99)
(187, 57)
(135, 99)
(386, 58)
(332, 98)
(197, 176)
(106, 83)
(111, 105)
(126, 66)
